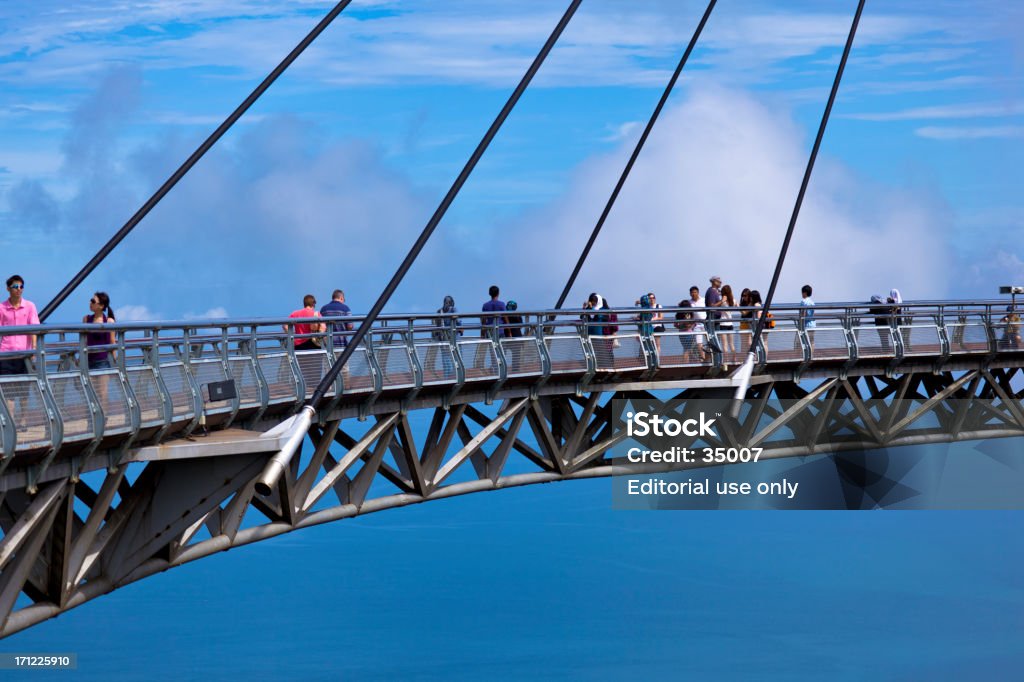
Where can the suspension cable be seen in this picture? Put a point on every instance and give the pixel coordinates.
(633, 157)
(364, 327)
(761, 321)
(192, 160)
(741, 378)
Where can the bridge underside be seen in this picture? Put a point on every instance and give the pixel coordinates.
(76, 540)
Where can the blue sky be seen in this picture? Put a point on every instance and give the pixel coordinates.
(325, 181)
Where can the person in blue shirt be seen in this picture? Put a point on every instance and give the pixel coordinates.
(488, 322)
(338, 308)
(807, 312)
(492, 306)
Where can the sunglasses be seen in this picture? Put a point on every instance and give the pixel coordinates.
(16, 286)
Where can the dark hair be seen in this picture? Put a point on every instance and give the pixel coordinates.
(806, 290)
(695, 288)
(308, 300)
(727, 295)
(682, 314)
(104, 300)
(745, 298)
(755, 297)
(493, 291)
(336, 294)
(15, 278)
(593, 298)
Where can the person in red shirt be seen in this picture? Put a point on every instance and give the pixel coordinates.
(308, 309)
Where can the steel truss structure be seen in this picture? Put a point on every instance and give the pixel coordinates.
(72, 541)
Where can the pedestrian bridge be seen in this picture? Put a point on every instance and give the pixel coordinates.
(110, 475)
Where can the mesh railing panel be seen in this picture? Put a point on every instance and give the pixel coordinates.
(1008, 337)
(782, 345)
(313, 366)
(395, 366)
(277, 372)
(25, 401)
(207, 372)
(109, 390)
(175, 378)
(438, 363)
(920, 340)
(357, 374)
(619, 353)
(567, 354)
(735, 345)
(522, 357)
(147, 395)
(874, 342)
(678, 349)
(69, 393)
(828, 343)
(246, 384)
(480, 359)
(967, 337)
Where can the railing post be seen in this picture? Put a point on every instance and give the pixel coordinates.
(452, 334)
(53, 416)
(293, 362)
(589, 354)
(236, 402)
(261, 380)
(8, 436)
(166, 399)
(198, 404)
(376, 373)
(409, 337)
(134, 410)
(711, 330)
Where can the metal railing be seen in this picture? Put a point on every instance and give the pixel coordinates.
(155, 382)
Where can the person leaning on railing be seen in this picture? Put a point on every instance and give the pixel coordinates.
(303, 329)
(882, 315)
(100, 312)
(1011, 333)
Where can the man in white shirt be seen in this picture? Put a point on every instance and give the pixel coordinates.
(697, 302)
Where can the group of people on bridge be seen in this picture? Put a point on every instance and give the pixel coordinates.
(717, 304)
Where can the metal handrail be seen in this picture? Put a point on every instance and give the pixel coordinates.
(174, 350)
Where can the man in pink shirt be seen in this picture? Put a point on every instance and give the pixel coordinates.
(16, 311)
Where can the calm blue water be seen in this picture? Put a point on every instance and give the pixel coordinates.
(546, 582)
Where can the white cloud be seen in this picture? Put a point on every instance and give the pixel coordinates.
(624, 131)
(712, 194)
(969, 133)
(212, 314)
(965, 110)
(136, 313)
(997, 268)
(465, 40)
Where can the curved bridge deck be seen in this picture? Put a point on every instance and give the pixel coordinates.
(159, 387)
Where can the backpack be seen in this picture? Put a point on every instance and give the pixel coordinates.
(611, 329)
(770, 322)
